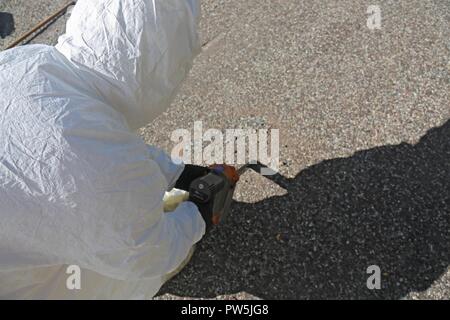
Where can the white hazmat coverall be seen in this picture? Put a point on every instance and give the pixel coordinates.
(78, 186)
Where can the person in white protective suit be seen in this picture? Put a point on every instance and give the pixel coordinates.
(78, 186)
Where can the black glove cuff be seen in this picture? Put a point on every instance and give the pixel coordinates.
(207, 214)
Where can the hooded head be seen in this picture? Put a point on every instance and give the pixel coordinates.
(133, 53)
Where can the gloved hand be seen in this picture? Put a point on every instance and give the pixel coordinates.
(189, 174)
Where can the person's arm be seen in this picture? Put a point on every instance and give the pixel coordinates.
(170, 169)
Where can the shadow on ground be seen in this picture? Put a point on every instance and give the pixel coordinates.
(388, 206)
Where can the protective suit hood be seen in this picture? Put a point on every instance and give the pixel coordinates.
(134, 53)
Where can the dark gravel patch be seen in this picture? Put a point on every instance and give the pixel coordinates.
(388, 206)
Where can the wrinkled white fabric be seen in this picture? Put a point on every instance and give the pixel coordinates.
(78, 186)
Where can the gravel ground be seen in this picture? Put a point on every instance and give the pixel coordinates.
(364, 132)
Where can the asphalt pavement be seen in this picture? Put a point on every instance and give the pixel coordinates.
(364, 146)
